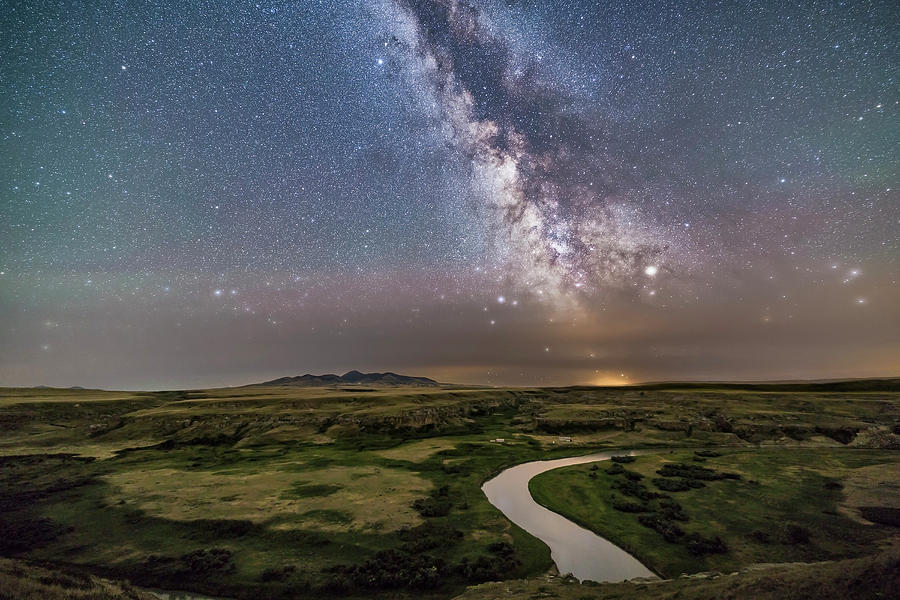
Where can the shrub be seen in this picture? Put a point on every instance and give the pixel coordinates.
(794, 534)
(615, 469)
(277, 573)
(760, 537)
(436, 505)
(699, 545)
(634, 489)
(677, 485)
(707, 453)
(622, 459)
(427, 536)
(633, 476)
(432, 507)
(390, 569)
(487, 568)
(670, 509)
(216, 560)
(669, 530)
(501, 548)
(687, 471)
(628, 506)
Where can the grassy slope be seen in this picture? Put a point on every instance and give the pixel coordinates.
(870, 578)
(778, 488)
(20, 580)
(289, 477)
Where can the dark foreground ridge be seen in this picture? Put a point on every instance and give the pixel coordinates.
(353, 378)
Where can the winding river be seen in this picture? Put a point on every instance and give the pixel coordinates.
(573, 548)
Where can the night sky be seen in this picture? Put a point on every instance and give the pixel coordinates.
(216, 193)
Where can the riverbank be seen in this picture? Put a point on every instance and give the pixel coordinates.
(574, 549)
(801, 505)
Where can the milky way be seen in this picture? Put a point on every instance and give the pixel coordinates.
(543, 173)
(504, 192)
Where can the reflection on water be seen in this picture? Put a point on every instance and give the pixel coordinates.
(574, 549)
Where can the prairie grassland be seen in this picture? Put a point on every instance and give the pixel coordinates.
(285, 492)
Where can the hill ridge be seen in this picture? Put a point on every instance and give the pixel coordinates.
(354, 377)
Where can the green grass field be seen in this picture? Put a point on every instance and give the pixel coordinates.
(787, 506)
(285, 492)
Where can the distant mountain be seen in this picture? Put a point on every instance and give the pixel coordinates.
(353, 378)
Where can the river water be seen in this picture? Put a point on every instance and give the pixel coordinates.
(573, 548)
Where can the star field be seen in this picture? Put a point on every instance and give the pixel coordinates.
(497, 192)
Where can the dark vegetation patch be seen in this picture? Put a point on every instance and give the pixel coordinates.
(670, 531)
(760, 537)
(615, 469)
(309, 490)
(630, 506)
(201, 563)
(844, 435)
(635, 489)
(223, 528)
(622, 459)
(699, 545)
(438, 504)
(794, 534)
(329, 515)
(21, 534)
(27, 479)
(412, 566)
(694, 472)
(277, 573)
(669, 509)
(677, 485)
(707, 453)
(881, 514)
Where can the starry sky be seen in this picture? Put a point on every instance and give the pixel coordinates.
(209, 193)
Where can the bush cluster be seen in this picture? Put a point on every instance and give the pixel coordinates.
(277, 573)
(438, 504)
(666, 528)
(794, 534)
(407, 567)
(693, 472)
(700, 546)
(198, 563)
(615, 469)
(707, 453)
(635, 489)
(629, 506)
(670, 509)
(677, 485)
(622, 459)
